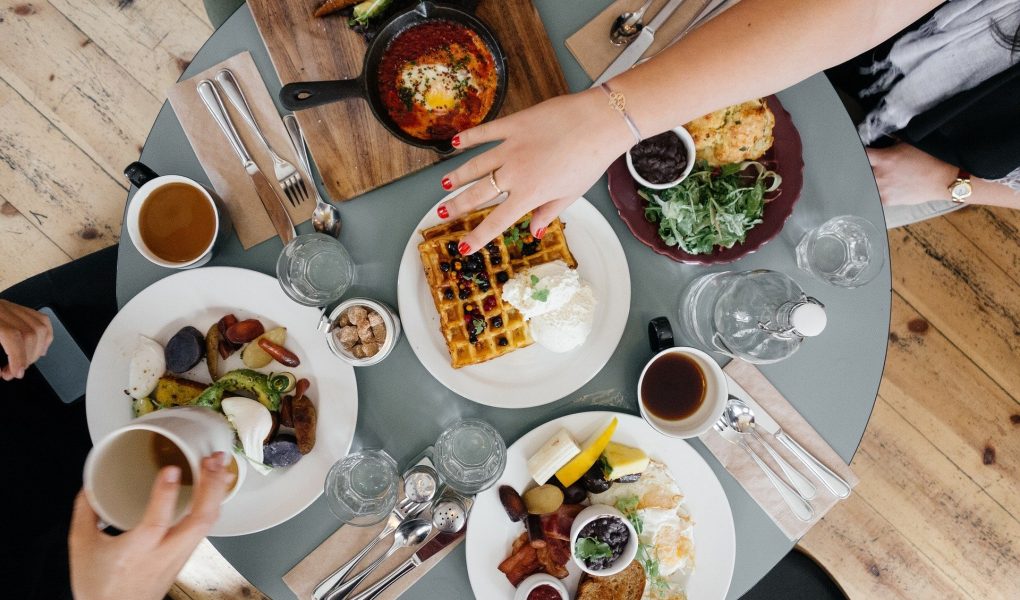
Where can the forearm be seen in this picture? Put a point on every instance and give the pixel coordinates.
(754, 49)
(992, 193)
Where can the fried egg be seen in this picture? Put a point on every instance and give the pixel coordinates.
(148, 364)
(434, 86)
(667, 528)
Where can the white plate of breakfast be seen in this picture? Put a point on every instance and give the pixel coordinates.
(521, 322)
(230, 340)
(622, 513)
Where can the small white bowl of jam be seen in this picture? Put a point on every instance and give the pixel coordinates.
(541, 586)
(662, 161)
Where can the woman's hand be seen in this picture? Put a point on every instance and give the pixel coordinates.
(143, 563)
(906, 175)
(25, 334)
(550, 155)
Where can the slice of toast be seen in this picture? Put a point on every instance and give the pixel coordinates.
(628, 584)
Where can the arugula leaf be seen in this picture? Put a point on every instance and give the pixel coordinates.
(711, 207)
(590, 548)
(540, 295)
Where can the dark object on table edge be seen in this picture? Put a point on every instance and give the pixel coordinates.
(308, 94)
(785, 158)
(660, 334)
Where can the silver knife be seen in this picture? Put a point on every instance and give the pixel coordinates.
(834, 483)
(427, 551)
(641, 43)
(267, 192)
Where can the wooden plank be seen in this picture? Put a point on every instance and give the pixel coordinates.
(153, 41)
(197, 8)
(78, 88)
(870, 558)
(972, 301)
(24, 250)
(51, 181)
(996, 231)
(954, 404)
(353, 151)
(208, 576)
(946, 515)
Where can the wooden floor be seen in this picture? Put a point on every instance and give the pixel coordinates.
(936, 514)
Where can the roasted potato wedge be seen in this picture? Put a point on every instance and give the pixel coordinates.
(177, 391)
(305, 418)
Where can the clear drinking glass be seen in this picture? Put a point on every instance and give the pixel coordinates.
(361, 489)
(470, 456)
(843, 251)
(315, 269)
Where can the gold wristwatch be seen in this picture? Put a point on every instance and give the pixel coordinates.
(961, 189)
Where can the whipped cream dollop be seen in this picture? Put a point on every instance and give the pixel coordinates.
(558, 305)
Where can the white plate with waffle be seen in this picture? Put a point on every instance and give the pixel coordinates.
(533, 375)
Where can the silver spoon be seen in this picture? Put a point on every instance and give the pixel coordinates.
(409, 533)
(628, 25)
(741, 418)
(325, 218)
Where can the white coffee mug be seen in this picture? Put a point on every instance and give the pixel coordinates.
(122, 467)
(148, 182)
(716, 394)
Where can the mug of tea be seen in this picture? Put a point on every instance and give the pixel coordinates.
(682, 392)
(173, 221)
(122, 467)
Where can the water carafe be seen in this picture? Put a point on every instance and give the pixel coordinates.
(759, 316)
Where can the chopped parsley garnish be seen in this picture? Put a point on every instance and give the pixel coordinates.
(534, 280)
(540, 295)
(589, 549)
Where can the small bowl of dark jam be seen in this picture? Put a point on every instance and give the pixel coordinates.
(541, 586)
(662, 161)
(602, 541)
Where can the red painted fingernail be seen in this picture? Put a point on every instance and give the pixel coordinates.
(447, 185)
(540, 233)
(464, 249)
(455, 141)
(443, 212)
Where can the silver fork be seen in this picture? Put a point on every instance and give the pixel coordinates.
(287, 176)
(405, 509)
(800, 507)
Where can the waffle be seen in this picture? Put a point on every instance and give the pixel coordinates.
(476, 324)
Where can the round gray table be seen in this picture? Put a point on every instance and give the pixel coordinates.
(833, 382)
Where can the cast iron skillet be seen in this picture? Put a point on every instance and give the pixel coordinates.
(302, 95)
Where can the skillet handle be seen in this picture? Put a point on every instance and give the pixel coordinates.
(306, 94)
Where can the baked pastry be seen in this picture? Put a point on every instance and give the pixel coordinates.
(476, 324)
(733, 134)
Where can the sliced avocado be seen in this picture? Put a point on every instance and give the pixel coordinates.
(253, 382)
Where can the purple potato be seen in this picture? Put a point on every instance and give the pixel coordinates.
(282, 451)
(184, 350)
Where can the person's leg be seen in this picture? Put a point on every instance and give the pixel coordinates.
(220, 10)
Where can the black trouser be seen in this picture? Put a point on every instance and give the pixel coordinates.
(46, 440)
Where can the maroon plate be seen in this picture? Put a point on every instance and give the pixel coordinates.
(785, 157)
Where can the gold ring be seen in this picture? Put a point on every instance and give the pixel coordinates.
(492, 180)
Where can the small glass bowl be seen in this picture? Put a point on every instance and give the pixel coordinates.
(390, 320)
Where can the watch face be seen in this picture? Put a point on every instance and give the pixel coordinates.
(961, 190)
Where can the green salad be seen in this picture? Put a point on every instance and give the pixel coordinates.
(712, 206)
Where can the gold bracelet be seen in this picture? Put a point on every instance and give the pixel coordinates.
(618, 102)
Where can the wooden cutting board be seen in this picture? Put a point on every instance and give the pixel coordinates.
(353, 152)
